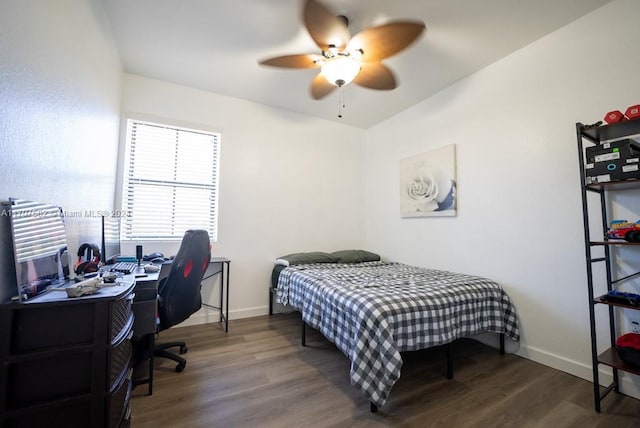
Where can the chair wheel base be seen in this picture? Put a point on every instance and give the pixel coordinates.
(160, 351)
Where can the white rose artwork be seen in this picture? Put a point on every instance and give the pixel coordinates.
(428, 183)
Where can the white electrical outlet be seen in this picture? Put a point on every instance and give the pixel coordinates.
(635, 325)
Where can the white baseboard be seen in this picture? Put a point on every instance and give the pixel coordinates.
(629, 384)
(208, 315)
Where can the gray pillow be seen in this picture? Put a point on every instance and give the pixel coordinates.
(306, 258)
(355, 256)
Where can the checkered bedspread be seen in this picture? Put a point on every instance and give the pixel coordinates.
(373, 311)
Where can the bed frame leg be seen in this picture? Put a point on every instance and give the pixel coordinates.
(303, 334)
(373, 408)
(501, 343)
(449, 361)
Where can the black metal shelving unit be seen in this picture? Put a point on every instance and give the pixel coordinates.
(593, 135)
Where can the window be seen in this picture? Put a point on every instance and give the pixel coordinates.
(170, 181)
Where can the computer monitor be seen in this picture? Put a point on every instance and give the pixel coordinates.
(110, 248)
(39, 240)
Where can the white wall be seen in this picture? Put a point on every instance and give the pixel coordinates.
(288, 182)
(519, 215)
(60, 85)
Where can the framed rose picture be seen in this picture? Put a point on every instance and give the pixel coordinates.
(428, 183)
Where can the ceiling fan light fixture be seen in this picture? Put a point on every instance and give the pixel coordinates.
(340, 70)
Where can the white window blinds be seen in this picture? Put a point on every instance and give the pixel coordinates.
(170, 181)
(38, 230)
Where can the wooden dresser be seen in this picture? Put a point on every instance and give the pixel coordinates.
(66, 362)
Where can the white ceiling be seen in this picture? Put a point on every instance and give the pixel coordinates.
(215, 45)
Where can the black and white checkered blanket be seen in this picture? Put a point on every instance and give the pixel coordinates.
(373, 311)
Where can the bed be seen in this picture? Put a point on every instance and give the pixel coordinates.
(373, 310)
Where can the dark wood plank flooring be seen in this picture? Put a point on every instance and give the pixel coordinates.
(258, 375)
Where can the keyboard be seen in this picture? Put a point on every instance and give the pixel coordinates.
(124, 267)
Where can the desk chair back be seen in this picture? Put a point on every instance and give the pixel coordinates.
(179, 294)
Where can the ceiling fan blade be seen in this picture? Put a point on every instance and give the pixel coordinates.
(320, 87)
(377, 43)
(375, 75)
(294, 61)
(324, 27)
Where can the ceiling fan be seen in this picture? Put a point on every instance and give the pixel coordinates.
(344, 59)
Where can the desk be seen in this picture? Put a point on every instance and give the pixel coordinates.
(218, 265)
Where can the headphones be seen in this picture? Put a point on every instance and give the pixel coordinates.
(88, 259)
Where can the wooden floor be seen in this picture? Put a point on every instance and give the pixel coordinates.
(258, 375)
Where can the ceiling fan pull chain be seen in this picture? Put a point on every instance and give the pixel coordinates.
(341, 103)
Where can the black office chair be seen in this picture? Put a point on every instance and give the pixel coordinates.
(179, 293)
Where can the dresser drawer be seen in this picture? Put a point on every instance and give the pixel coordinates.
(36, 328)
(74, 414)
(126, 421)
(121, 317)
(117, 405)
(33, 382)
(120, 361)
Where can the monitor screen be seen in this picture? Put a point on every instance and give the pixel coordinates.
(110, 239)
(39, 241)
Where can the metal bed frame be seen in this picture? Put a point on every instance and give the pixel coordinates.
(374, 408)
